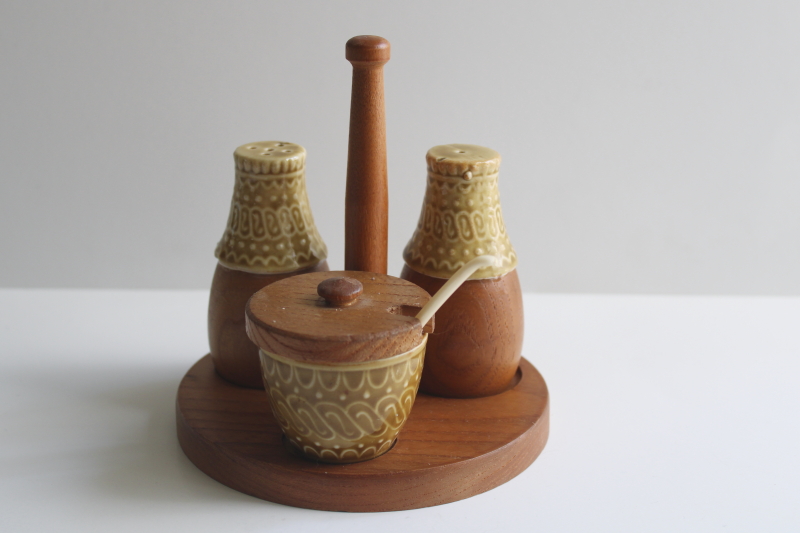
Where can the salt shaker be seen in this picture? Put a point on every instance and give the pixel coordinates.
(476, 347)
(270, 236)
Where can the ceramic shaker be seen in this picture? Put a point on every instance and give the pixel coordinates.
(342, 354)
(477, 344)
(270, 236)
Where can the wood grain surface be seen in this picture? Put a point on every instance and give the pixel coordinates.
(366, 198)
(476, 346)
(235, 356)
(290, 319)
(449, 449)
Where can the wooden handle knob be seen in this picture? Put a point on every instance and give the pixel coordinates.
(366, 219)
(367, 49)
(340, 291)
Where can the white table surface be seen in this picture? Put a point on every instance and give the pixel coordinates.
(668, 414)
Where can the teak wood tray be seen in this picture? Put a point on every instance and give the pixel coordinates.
(449, 449)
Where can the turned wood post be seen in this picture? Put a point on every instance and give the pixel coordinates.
(367, 196)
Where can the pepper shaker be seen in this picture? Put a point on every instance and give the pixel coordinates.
(476, 347)
(270, 236)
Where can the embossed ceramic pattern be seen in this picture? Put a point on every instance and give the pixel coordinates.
(347, 412)
(270, 227)
(461, 216)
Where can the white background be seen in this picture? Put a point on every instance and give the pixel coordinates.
(648, 146)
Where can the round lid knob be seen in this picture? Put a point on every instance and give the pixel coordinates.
(340, 291)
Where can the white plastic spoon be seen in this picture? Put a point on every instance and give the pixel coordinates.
(452, 286)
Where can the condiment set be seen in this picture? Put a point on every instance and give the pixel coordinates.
(341, 355)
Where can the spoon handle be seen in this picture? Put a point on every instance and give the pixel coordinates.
(452, 285)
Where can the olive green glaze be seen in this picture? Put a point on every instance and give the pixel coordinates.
(345, 412)
(270, 227)
(461, 216)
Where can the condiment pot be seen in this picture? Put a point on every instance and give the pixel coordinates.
(342, 356)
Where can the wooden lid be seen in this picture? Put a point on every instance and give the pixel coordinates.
(337, 317)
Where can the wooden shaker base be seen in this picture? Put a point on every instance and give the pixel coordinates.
(476, 345)
(235, 356)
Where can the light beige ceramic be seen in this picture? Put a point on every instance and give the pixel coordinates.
(461, 216)
(347, 412)
(270, 227)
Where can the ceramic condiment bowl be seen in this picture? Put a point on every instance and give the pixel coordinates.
(341, 357)
(344, 413)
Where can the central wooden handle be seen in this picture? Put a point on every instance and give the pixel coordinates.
(367, 197)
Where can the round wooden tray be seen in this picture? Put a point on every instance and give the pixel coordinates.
(449, 449)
